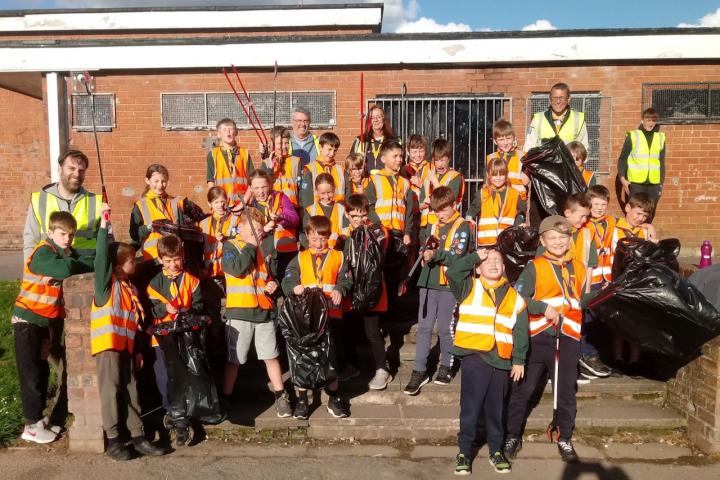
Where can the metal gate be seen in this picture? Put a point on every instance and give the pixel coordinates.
(464, 120)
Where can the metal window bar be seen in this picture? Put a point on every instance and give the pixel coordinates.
(202, 110)
(104, 112)
(464, 120)
(598, 119)
(683, 102)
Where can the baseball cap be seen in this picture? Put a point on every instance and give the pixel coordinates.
(555, 222)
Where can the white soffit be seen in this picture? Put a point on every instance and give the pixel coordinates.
(342, 53)
(190, 20)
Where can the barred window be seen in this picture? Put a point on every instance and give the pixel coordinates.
(697, 102)
(202, 110)
(104, 112)
(598, 120)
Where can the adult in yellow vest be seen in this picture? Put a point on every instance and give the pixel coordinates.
(303, 143)
(641, 165)
(67, 195)
(558, 120)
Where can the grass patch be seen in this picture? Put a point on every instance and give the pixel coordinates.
(11, 418)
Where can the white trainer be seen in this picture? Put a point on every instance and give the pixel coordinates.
(380, 380)
(38, 433)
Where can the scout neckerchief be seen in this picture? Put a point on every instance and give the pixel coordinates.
(376, 150)
(498, 202)
(327, 167)
(133, 298)
(160, 203)
(566, 284)
(318, 265)
(558, 121)
(601, 231)
(229, 157)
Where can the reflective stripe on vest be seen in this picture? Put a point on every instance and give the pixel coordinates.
(284, 239)
(514, 171)
(481, 326)
(329, 270)
(581, 244)
(336, 218)
(447, 246)
(568, 132)
(288, 180)
(86, 213)
(549, 289)
(188, 285)
(212, 249)
(248, 290)
(150, 212)
(603, 243)
(113, 325)
(428, 217)
(390, 200)
(489, 226)
(40, 294)
(338, 174)
(643, 163)
(234, 183)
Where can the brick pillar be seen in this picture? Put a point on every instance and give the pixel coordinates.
(695, 391)
(86, 433)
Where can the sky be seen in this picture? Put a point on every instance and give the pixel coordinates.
(414, 16)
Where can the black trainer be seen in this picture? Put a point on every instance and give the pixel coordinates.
(337, 407)
(586, 373)
(512, 447)
(500, 463)
(143, 447)
(417, 380)
(302, 409)
(117, 450)
(462, 465)
(182, 436)
(594, 365)
(567, 452)
(443, 375)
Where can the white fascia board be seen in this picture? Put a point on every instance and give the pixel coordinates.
(364, 52)
(191, 20)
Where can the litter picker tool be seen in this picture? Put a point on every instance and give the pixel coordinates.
(553, 429)
(86, 79)
(362, 113)
(257, 128)
(431, 243)
(403, 114)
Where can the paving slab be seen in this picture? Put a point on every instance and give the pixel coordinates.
(646, 451)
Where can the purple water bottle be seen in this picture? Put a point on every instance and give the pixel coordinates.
(705, 254)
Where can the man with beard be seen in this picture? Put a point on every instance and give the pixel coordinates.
(67, 195)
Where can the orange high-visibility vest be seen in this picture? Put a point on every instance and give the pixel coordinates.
(583, 241)
(188, 284)
(336, 220)
(151, 209)
(428, 216)
(284, 239)
(212, 249)
(231, 174)
(364, 182)
(457, 221)
(482, 325)
(422, 172)
(603, 242)
(514, 170)
(549, 288)
(390, 204)
(338, 174)
(325, 276)
(287, 179)
(248, 290)
(587, 176)
(40, 294)
(113, 325)
(491, 222)
(624, 230)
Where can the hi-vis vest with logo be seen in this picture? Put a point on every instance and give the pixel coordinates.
(448, 244)
(188, 284)
(568, 132)
(40, 294)
(338, 174)
(337, 217)
(390, 204)
(428, 217)
(490, 224)
(514, 170)
(287, 179)
(604, 244)
(234, 183)
(284, 239)
(328, 274)
(643, 163)
(482, 326)
(150, 212)
(113, 325)
(248, 290)
(86, 213)
(549, 289)
(212, 249)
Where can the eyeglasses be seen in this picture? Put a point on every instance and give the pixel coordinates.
(295, 120)
(559, 98)
(377, 118)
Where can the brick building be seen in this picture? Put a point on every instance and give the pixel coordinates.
(159, 90)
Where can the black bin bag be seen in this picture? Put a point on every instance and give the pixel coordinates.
(553, 178)
(366, 259)
(303, 322)
(650, 305)
(633, 250)
(518, 246)
(191, 387)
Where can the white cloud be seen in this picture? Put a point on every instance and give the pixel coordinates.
(424, 24)
(540, 24)
(712, 19)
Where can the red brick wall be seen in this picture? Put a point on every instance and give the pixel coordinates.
(686, 209)
(23, 161)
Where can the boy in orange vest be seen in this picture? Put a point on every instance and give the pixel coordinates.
(37, 320)
(229, 166)
(491, 338)
(357, 172)
(171, 292)
(579, 154)
(552, 284)
(325, 163)
(437, 303)
(320, 266)
(285, 168)
(326, 206)
(248, 307)
(506, 143)
(441, 175)
(115, 318)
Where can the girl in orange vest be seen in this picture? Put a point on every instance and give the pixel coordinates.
(552, 285)
(115, 318)
(579, 154)
(496, 206)
(441, 175)
(156, 204)
(357, 174)
(327, 207)
(506, 143)
(325, 163)
(286, 169)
